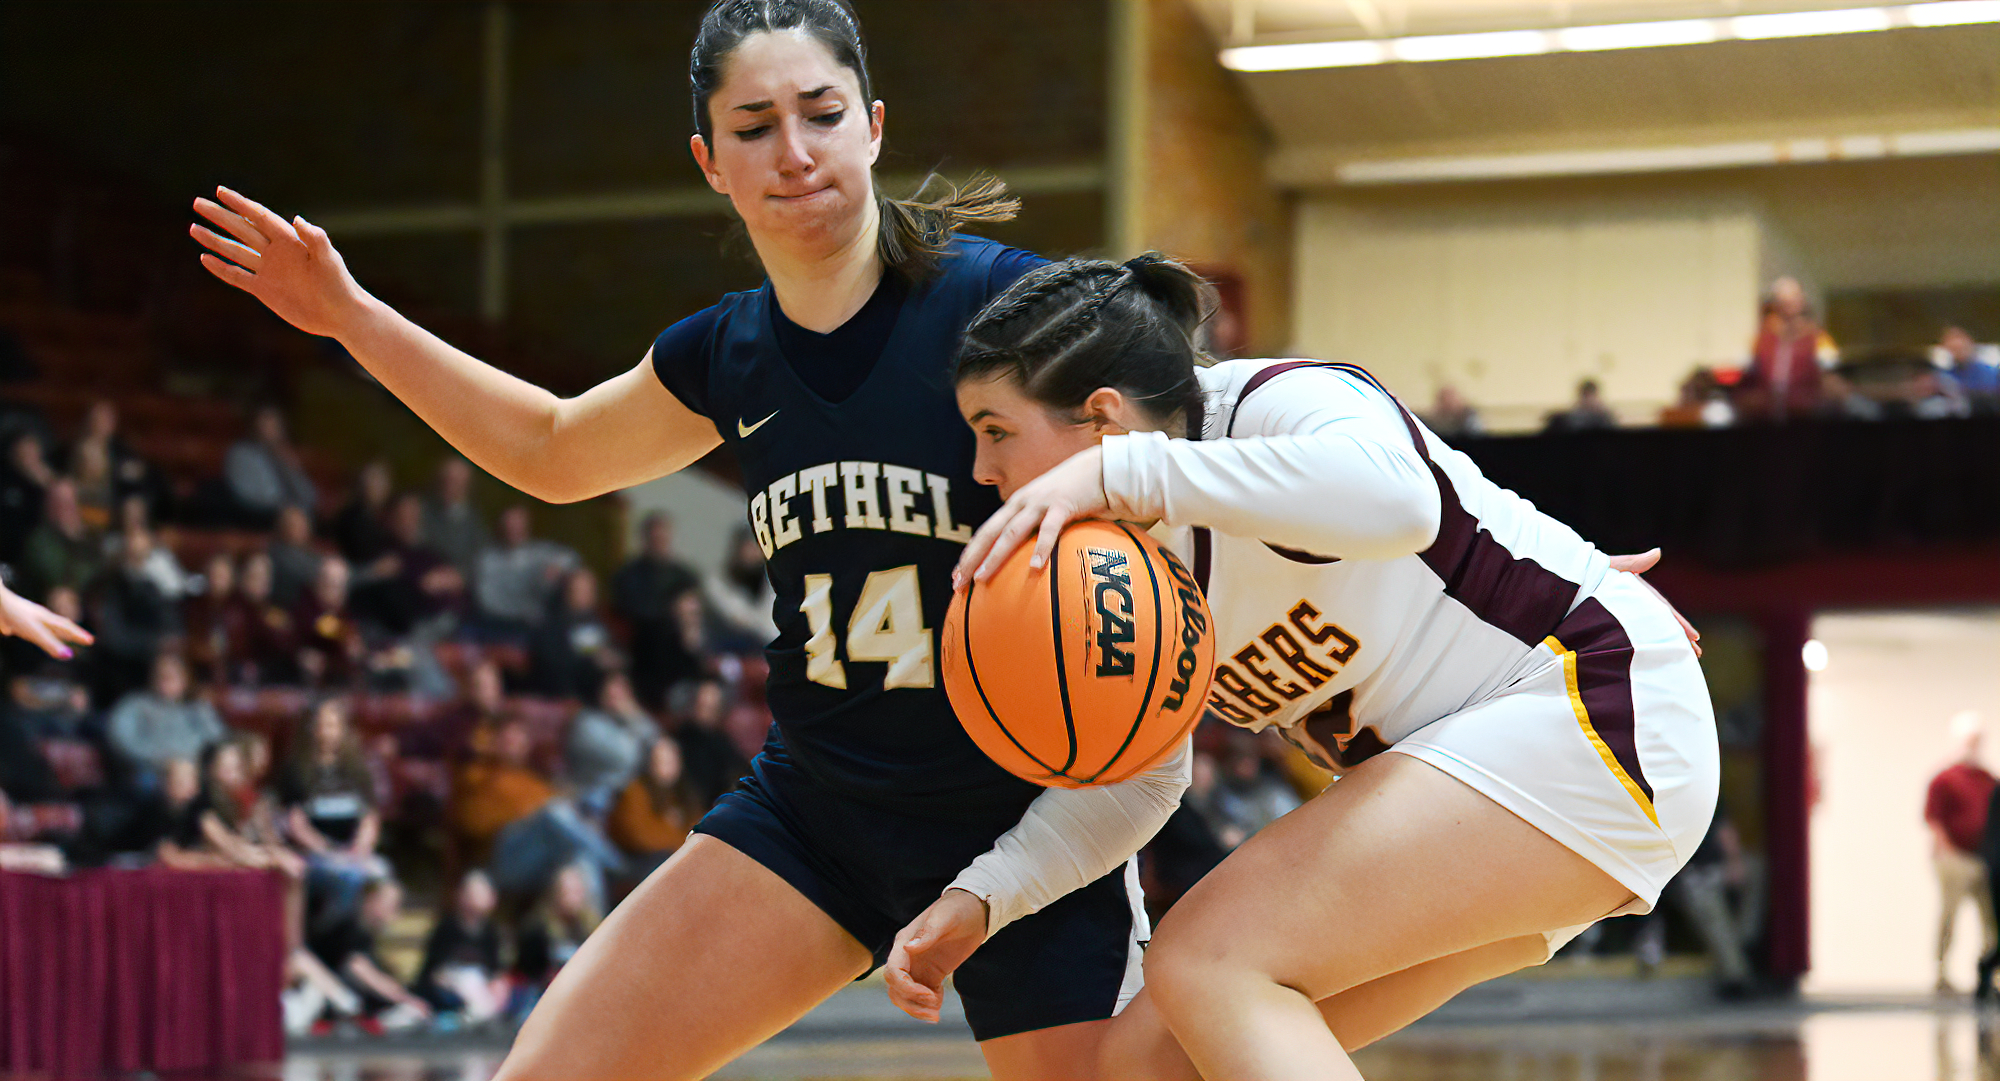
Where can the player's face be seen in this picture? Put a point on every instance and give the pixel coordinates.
(1019, 438)
(793, 143)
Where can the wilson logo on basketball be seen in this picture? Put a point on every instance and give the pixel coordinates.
(1194, 632)
(1111, 593)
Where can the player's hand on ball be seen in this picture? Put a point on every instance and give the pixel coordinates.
(1072, 490)
(1640, 564)
(23, 618)
(289, 265)
(931, 948)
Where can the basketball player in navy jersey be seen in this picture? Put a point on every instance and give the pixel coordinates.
(831, 384)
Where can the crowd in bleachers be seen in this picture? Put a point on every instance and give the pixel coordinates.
(1792, 371)
(288, 681)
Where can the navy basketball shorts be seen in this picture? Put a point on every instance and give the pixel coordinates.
(874, 870)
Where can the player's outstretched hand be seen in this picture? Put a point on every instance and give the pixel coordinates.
(1640, 564)
(289, 265)
(23, 618)
(1072, 490)
(931, 948)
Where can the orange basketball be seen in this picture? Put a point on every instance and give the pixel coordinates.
(1087, 671)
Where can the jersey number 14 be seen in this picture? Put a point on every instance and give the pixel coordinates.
(887, 625)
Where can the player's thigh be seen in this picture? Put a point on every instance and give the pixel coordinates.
(1397, 864)
(711, 955)
(1062, 1053)
(1361, 1015)
(1138, 1046)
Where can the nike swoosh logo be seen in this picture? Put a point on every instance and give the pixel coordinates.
(743, 430)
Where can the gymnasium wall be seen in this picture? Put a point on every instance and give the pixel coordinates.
(1204, 194)
(1516, 290)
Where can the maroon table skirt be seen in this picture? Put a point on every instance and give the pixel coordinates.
(151, 969)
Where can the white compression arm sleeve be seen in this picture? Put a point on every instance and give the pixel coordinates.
(1071, 837)
(1319, 462)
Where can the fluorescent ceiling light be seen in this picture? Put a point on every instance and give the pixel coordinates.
(1955, 13)
(1339, 54)
(1638, 35)
(1799, 24)
(1468, 46)
(1316, 54)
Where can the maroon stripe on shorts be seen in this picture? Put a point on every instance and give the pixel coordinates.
(1604, 681)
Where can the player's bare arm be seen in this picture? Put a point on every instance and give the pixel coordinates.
(624, 431)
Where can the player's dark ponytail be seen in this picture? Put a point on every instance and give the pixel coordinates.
(914, 232)
(1068, 328)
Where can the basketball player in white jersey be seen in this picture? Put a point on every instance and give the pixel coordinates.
(1551, 754)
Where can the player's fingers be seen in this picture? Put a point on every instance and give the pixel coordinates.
(909, 995)
(1017, 529)
(237, 225)
(1636, 564)
(1053, 521)
(241, 254)
(39, 633)
(231, 273)
(271, 225)
(983, 539)
(63, 628)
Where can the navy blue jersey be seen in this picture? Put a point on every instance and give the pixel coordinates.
(862, 506)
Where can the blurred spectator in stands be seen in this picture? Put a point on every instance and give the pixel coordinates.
(61, 550)
(1975, 368)
(506, 814)
(35, 754)
(552, 932)
(1451, 416)
(1701, 404)
(162, 722)
(410, 588)
(25, 477)
(265, 652)
(699, 708)
(1204, 789)
(361, 527)
(571, 649)
(1710, 890)
(1787, 358)
(607, 743)
(462, 973)
(515, 578)
(741, 598)
(294, 560)
(96, 494)
(206, 616)
(331, 652)
(161, 566)
(654, 810)
(171, 826)
(238, 821)
(1588, 413)
(1933, 395)
(1250, 795)
(643, 594)
(262, 472)
(496, 788)
(348, 949)
(330, 802)
(136, 620)
(130, 474)
(1955, 810)
(452, 525)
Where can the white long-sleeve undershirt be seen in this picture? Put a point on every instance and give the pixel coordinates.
(1071, 837)
(1318, 462)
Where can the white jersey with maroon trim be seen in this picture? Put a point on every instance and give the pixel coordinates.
(1367, 573)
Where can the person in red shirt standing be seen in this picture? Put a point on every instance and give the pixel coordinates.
(1955, 808)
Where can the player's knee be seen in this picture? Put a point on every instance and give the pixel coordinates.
(1182, 971)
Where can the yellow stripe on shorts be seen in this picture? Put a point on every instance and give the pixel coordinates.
(1583, 720)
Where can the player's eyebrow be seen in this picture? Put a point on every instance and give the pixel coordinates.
(804, 95)
(979, 416)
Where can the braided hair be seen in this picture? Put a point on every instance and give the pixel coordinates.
(1068, 328)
